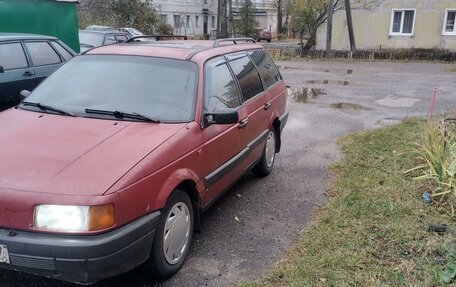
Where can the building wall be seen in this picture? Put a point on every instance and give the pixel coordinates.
(372, 28)
(196, 10)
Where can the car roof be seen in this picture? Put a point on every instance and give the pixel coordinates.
(176, 49)
(103, 32)
(24, 36)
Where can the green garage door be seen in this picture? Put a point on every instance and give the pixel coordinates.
(47, 17)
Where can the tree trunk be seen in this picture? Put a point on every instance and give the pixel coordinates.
(279, 17)
(312, 40)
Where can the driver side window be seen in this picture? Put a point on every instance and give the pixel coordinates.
(221, 91)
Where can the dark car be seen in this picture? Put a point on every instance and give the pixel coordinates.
(114, 158)
(25, 60)
(264, 34)
(94, 38)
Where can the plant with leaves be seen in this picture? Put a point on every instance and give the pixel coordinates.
(449, 273)
(247, 24)
(164, 29)
(139, 14)
(437, 154)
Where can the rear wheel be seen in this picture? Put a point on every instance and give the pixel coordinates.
(172, 237)
(264, 167)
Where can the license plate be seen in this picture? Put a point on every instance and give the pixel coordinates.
(4, 256)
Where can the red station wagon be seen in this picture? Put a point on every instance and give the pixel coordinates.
(109, 163)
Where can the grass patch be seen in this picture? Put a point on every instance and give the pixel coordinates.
(373, 229)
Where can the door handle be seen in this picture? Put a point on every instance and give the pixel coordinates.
(27, 74)
(267, 106)
(243, 123)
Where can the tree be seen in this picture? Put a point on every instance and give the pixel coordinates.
(309, 15)
(247, 24)
(119, 13)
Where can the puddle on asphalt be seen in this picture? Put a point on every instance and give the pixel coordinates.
(349, 107)
(329, 82)
(303, 94)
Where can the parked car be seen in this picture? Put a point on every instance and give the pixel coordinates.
(264, 34)
(94, 38)
(25, 60)
(113, 158)
(132, 32)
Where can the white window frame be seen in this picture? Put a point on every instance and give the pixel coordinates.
(444, 32)
(400, 33)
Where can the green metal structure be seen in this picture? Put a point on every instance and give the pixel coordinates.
(48, 17)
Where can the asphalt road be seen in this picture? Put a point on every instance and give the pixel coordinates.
(328, 100)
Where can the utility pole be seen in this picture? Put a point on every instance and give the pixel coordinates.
(329, 27)
(350, 26)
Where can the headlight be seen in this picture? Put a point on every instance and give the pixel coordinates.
(74, 218)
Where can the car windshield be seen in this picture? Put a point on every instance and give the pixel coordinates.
(160, 89)
(90, 38)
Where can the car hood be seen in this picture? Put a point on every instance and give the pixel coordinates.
(75, 156)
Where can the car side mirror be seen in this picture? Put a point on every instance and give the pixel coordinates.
(2, 70)
(24, 94)
(222, 117)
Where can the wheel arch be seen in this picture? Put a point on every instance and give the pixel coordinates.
(276, 125)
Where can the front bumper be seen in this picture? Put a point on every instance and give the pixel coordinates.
(81, 259)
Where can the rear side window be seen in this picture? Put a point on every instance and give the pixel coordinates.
(221, 91)
(122, 38)
(266, 67)
(247, 75)
(12, 56)
(110, 38)
(42, 53)
(65, 54)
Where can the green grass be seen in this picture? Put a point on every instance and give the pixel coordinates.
(373, 229)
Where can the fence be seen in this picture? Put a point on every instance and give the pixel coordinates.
(408, 55)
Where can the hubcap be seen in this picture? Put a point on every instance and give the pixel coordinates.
(176, 233)
(270, 149)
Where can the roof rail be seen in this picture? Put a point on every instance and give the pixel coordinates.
(234, 40)
(157, 37)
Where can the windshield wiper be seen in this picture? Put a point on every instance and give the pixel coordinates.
(48, 108)
(120, 115)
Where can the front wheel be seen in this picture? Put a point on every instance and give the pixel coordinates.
(264, 167)
(172, 237)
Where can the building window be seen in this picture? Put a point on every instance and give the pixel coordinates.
(449, 27)
(197, 21)
(164, 18)
(402, 22)
(176, 21)
(187, 21)
(213, 22)
(204, 1)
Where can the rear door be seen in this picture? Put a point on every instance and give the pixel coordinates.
(222, 149)
(17, 75)
(44, 58)
(256, 103)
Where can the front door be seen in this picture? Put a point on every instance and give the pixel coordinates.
(223, 151)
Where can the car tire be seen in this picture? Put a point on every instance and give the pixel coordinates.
(172, 236)
(264, 167)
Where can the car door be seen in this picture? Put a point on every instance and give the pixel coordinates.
(256, 103)
(44, 58)
(17, 73)
(222, 147)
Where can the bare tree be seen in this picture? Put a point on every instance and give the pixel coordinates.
(309, 15)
